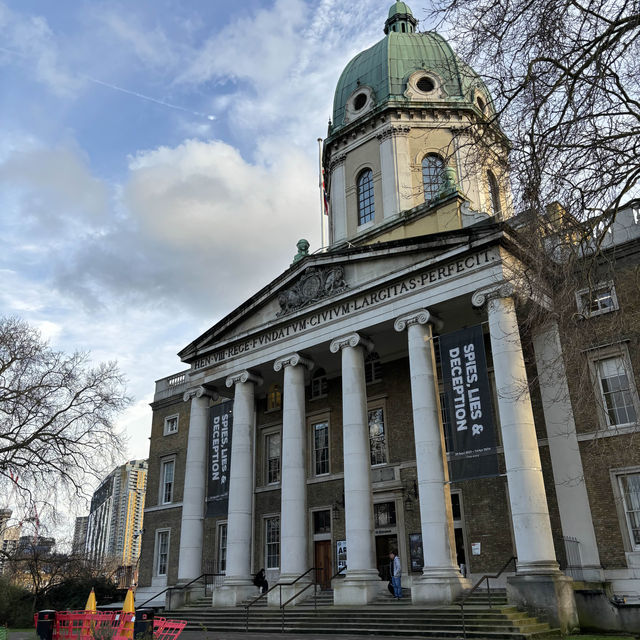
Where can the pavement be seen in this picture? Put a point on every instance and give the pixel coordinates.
(216, 635)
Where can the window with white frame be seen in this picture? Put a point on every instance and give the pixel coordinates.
(319, 384)
(614, 380)
(372, 368)
(629, 484)
(222, 547)
(377, 436)
(272, 542)
(597, 300)
(167, 475)
(162, 552)
(170, 425)
(272, 447)
(320, 434)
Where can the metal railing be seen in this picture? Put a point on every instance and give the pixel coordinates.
(294, 597)
(206, 577)
(573, 565)
(487, 577)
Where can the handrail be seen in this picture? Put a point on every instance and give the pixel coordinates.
(181, 586)
(486, 577)
(313, 584)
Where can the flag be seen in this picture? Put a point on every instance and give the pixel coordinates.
(325, 197)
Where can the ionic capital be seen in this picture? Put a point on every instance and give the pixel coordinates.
(243, 376)
(201, 392)
(292, 360)
(420, 316)
(351, 340)
(497, 290)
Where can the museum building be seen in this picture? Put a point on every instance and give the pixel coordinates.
(384, 394)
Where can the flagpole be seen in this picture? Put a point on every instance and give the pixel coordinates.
(320, 186)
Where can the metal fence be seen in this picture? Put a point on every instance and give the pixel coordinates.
(573, 566)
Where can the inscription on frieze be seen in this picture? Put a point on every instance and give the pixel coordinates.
(314, 284)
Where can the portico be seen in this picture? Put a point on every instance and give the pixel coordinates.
(396, 314)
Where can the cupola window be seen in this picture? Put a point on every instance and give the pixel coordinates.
(494, 193)
(425, 84)
(432, 176)
(366, 205)
(481, 104)
(359, 101)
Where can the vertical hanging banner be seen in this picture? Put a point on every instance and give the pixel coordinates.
(471, 432)
(220, 425)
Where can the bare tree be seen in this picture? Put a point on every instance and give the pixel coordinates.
(56, 414)
(563, 75)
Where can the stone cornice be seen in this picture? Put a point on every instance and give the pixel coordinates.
(351, 340)
(292, 360)
(498, 290)
(419, 316)
(243, 376)
(201, 392)
(393, 130)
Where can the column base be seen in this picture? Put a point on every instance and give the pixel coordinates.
(289, 590)
(233, 592)
(547, 596)
(357, 587)
(438, 589)
(177, 598)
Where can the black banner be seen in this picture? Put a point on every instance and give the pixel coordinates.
(220, 425)
(470, 429)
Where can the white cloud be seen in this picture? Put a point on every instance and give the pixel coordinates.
(30, 38)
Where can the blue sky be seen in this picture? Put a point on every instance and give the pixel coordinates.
(158, 164)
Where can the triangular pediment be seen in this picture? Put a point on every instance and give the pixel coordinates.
(323, 278)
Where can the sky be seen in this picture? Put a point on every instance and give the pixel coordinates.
(158, 164)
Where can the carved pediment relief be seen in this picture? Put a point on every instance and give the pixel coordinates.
(314, 284)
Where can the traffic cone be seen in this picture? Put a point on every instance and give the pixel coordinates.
(128, 607)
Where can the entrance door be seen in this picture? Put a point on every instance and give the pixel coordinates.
(384, 546)
(323, 563)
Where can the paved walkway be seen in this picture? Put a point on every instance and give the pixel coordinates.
(218, 635)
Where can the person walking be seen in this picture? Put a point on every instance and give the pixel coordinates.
(396, 574)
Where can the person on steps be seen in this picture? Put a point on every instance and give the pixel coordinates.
(261, 581)
(396, 574)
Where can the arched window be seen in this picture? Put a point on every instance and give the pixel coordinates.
(366, 206)
(494, 193)
(432, 176)
(274, 398)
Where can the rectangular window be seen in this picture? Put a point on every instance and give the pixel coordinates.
(319, 385)
(320, 448)
(616, 391)
(166, 490)
(377, 439)
(272, 448)
(384, 514)
(322, 521)
(222, 547)
(272, 543)
(597, 300)
(170, 425)
(162, 552)
(630, 490)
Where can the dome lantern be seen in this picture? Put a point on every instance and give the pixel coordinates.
(400, 19)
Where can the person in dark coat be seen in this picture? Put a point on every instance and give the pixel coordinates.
(261, 581)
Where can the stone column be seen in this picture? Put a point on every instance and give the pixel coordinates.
(193, 497)
(441, 580)
(566, 462)
(238, 583)
(361, 582)
(294, 534)
(538, 583)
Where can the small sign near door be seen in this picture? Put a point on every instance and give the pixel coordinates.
(341, 554)
(415, 551)
(475, 548)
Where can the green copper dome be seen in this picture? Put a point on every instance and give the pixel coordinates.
(383, 72)
(399, 7)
